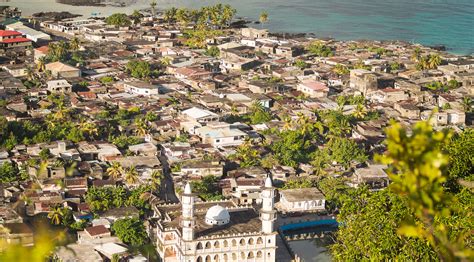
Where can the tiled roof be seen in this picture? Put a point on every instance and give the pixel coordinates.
(16, 40)
(5, 33)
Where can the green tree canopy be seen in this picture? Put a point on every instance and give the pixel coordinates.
(118, 19)
(139, 69)
(318, 48)
(130, 231)
(207, 188)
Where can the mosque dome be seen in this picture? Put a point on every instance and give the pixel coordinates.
(217, 215)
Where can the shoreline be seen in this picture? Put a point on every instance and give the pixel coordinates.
(439, 46)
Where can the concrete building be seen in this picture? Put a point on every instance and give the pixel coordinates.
(301, 200)
(210, 231)
(59, 69)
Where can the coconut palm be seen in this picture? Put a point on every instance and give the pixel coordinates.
(233, 110)
(29, 73)
(170, 15)
(142, 127)
(153, 8)
(75, 44)
(165, 61)
(41, 64)
(263, 17)
(131, 175)
(416, 55)
(62, 112)
(434, 60)
(156, 178)
(228, 14)
(467, 103)
(288, 123)
(182, 15)
(56, 215)
(115, 170)
(57, 51)
(89, 128)
(360, 111)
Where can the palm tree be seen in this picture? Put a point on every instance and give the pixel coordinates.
(263, 17)
(56, 215)
(434, 60)
(62, 112)
(467, 103)
(156, 178)
(29, 73)
(182, 15)
(89, 128)
(288, 123)
(115, 170)
(233, 110)
(136, 17)
(228, 14)
(153, 6)
(416, 55)
(257, 107)
(142, 127)
(131, 175)
(41, 64)
(360, 111)
(166, 60)
(75, 44)
(170, 15)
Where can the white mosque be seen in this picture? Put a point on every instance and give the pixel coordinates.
(216, 231)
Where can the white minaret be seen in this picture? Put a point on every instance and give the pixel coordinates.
(268, 213)
(187, 203)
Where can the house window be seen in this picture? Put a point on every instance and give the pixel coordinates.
(218, 140)
(236, 138)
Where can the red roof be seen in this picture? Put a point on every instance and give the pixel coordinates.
(16, 40)
(43, 49)
(5, 33)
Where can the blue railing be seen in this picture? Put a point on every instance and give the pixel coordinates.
(309, 224)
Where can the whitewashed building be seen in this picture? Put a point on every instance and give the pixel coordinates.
(216, 231)
(301, 200)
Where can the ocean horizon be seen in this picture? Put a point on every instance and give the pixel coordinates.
(436, 22)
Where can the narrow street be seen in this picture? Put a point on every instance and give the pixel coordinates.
(167, 187)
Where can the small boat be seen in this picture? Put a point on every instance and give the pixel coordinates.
(95, 13)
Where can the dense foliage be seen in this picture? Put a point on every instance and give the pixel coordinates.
(118, 19)
(130, 231)
(416, 218)
(318, 48)
(207, 188)
(139, 69)
(102, 199)
(8, 172)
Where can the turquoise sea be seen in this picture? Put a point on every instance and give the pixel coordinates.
(429, 22)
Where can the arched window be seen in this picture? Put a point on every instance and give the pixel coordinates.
(225, 257)
(216, 258)
(242, 255)
(226, 244)
(259, 254)
(259, 241)
(234, 242)
(208, 258)
(242, 242)
(199, 259)
(250, 255)
(208, 245)
(234, 256)
(216, 244)
(199, 245)
(251, 242)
